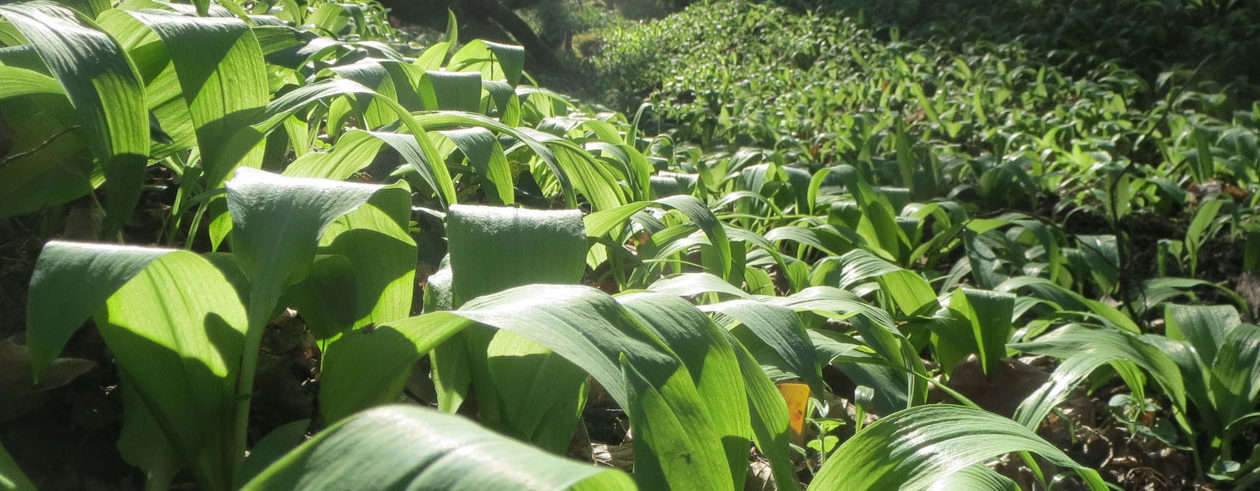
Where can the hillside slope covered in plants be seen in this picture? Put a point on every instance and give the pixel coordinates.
(278, 245)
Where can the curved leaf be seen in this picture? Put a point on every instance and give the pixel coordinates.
(408, 447)
(105, 90)
(915, 448)
(1083, 349)
(221, 73)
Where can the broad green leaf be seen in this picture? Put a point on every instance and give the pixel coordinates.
(836, 303)
(1203, 327)
(452, 32)
(60, 274)
(703, 218)
(105, 90)
(532, 139)
(494, 248)
(20, 81)
(361, 370)
(1203, 218)
(1069, 300)
(47, 161)
(406, 447)
(975, 478)
(1084, 349)
(221, 73)
(177, 345)
(878, 218)
(909, 291)
(451, 91)
(692, 284)
(180, 347)
(540, 394)
(327, 298)
(586, 327)
(271, 448)
(845, 353)
(373, 74)
(781, 330)
(433, 170)
(1236, 373)
(375, 239)
(485, 154)
(706, 352)
(989, 314)
(449, 369)
(603, 222)
(11, 477)
(495, 61)
(828, 239)
(276, 225)
(917, 447)
(665, 430)
(769, 415)
(354, 150)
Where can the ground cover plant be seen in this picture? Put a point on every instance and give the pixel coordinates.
(272, 245)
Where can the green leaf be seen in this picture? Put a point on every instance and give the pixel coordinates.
(769, 414)
(328, 297)
(272, 447)
(485, 154)
(878, 218)
(664, 458)
(143, 443)
(1203, 327)
(11, 477)
(412, 447)
(376, 241)
(989, 314)
(844, 352)
(494, 248)
(59, 275)
(909, 291)
(917, 447)
(178, 350)
(353, 151)
(361, 370)
(1236, 373)
(451, 91)
(104, 88)
(181, 351)
(540, 395)
(276, 225)
(975, 478)
(20, 81)
(606, 221)
(1084, 349)
(707, 354)
(222, 76)
(495, 61)
(781, 330)
(452, 31)
(589, 329)
(277, 111)
(692, 284)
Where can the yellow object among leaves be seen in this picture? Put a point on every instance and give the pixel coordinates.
(797, 397)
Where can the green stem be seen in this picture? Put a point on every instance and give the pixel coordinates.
(261, 302)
